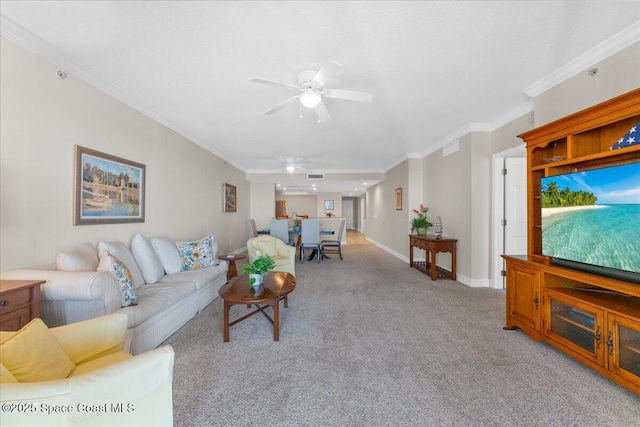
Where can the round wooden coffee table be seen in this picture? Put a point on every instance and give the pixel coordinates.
(231, 259)
(277, 286)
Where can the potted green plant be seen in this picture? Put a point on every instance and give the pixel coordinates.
(258, 268)
(420, 223)
(297, 223)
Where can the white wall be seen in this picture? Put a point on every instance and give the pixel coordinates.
(458, 187)
(43, 117)
(385, 225)
(337, 204)
(263, 204)
(617, 74)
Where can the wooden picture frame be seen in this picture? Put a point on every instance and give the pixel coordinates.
(107, 189)
(328, 205)
(398, 199)
(230, 198)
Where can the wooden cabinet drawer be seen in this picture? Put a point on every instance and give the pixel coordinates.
(12, 300)
(15, 320)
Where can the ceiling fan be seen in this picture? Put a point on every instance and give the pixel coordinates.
(311, 88)
(292, 164)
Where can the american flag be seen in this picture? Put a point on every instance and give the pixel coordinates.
(630, 138)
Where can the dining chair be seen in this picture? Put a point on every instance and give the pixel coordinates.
(334, 245)
(253, 230)
(310, 237)
(280, 230)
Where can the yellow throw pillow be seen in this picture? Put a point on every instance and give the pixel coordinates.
(33, 354)
(6, 376)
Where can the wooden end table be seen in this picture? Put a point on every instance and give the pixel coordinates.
(231, 259)
(19, 303)
(277, 286)
(433, 245)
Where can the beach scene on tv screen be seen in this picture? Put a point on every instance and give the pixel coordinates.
(593, 217)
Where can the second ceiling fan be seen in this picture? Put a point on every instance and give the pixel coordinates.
(311, 88)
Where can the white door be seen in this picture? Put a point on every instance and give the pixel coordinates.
(347, 212)
(515, 206)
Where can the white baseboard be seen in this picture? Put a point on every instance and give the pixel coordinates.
(387, 249)
(472, 283)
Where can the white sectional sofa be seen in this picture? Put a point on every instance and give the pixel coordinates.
(172, 281)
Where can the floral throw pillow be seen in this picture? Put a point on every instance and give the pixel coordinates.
(113, 265)
(197, 254)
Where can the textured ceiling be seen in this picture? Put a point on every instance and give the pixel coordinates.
(433, 67)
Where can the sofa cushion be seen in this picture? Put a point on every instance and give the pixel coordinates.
(122, 252)
(146, 258)
(101, 362)
(80, 258)
(198, 254)
(154, 299)
(33, 354)
(200, 277)
(168, 254)
(111, 264)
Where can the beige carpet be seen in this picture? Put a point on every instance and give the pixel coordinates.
(369, 341)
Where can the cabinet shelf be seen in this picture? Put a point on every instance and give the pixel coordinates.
(576, 163)
(574, 323)
(631, 347)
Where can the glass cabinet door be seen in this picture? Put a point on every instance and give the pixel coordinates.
(623, 344)
(577, 326)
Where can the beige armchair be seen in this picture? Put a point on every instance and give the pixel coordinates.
(106, 386)
(283, 254)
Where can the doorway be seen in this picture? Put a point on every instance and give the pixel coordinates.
(509, 210)
(348, 211)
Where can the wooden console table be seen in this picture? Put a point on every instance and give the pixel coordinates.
(19, 303)
(433, 245)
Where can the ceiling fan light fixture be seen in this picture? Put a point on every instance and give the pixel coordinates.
(310, 98)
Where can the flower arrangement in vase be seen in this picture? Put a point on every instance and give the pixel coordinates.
(420, 223)
(258, 268)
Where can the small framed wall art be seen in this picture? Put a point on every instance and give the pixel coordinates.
(107, 189)
(398, 199)
(328, 205)
(230, 198)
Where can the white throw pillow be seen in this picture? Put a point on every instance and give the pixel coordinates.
(122, 252)
(111, 264)
(80, 258)
(146, 258)
(168, 254)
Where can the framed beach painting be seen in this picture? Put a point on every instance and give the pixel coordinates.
(107, 189)
(230, 198)
(398, 199)
(328, 205)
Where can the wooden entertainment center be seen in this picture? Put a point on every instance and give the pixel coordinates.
(593, 318)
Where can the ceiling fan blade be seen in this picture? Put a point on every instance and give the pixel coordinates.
(329, 68)
(281, 105)
(350, 95)
(274, 83)
(322, 112)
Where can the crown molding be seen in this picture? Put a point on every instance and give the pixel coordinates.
(601, 51)
(281, 171)
(61, 59)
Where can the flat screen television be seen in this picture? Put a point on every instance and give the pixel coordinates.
(591, 221)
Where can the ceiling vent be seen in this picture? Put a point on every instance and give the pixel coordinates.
(451, 148)
(315, 176)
